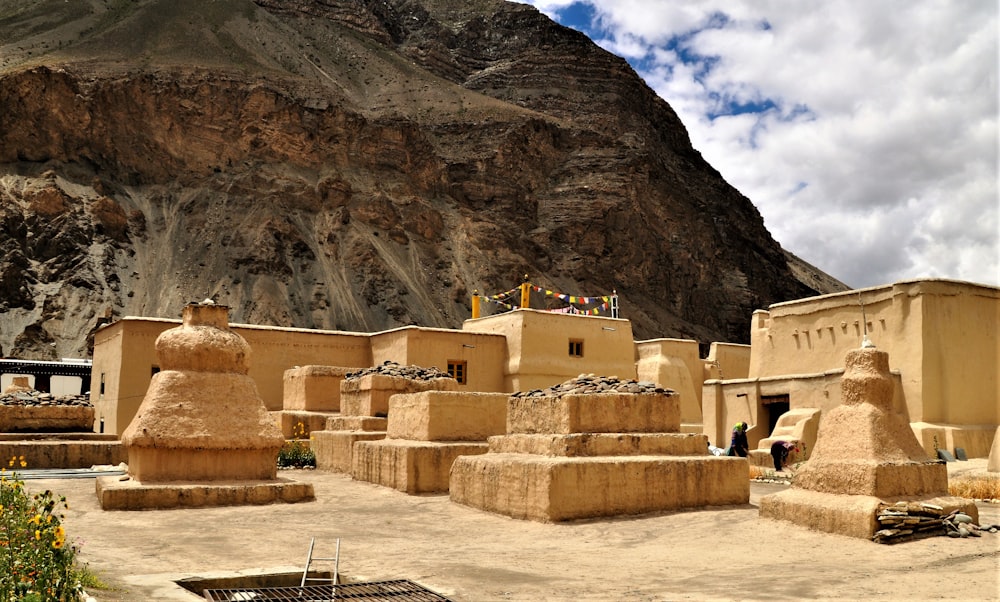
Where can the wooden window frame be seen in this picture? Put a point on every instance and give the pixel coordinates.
(459, 370)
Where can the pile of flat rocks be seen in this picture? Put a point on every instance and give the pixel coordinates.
(588, 384)
(36, 398)
(390, 368)
(905, 521)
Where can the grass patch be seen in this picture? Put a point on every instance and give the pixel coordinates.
(979, 488)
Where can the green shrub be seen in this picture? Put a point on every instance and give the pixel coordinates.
(296, 454)
(35, 561)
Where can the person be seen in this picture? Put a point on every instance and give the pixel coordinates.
(779, 452)
(738, 445)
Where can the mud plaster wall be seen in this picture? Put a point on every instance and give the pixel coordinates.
(484, 354)
(538, 346)
(675, 364)
(941, 337)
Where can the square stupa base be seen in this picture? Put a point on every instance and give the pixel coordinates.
(559, 488)
(116, 494)
(410, 466)
(369, 395)
(851, 515)
(69, 451)
(290, 420)
(313, 388)
(335, 449)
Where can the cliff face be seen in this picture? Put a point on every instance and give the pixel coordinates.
(350, 165)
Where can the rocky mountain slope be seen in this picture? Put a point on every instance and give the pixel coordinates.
(350, 164)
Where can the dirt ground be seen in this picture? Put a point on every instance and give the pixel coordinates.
(469, 555)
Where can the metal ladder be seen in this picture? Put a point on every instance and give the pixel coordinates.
(310, 559)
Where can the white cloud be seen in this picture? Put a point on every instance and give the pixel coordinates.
(878, 160)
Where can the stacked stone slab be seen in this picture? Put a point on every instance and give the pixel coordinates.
(202, 435)
(23, 409)
(364, 405)
(426, 432)
(311, 396)
(593, 447)
(866, 455)
(52, 431)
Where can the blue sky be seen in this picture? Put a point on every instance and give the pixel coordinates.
(864, 132)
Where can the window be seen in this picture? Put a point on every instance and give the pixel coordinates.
(575, 348)
(458, 370)
(102, 386)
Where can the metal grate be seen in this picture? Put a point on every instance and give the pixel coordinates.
(401, 590)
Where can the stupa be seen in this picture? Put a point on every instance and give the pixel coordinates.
(993, 464)
(364, 408)
(202, 435)
(426, 432)
(596, 447)
(866, 456)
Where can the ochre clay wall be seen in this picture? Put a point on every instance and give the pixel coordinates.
(727, 360)
(124, 358)
(278, 349)
(674, 364)
(538, 346)
(961, 354)
(484, 354)
(942, 341)
(811, 336)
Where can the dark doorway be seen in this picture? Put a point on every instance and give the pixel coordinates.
(774, 407)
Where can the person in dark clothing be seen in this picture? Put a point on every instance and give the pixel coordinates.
(779, 452)
(738, 445)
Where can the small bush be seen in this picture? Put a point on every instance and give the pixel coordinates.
(978, 488)
(36, 562)
(297, 453)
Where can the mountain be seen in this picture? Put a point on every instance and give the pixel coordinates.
(351, 164)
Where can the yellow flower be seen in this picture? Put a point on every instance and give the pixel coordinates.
(60, 532)
(23, 464)
(36, 519)
(38, 534)
(57, 544)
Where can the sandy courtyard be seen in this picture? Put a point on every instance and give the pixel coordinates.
(470, 555)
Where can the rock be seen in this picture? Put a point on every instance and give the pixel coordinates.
(243, 137)
(590, 384)
(35, 398)
(962, 518)
(389, 368)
